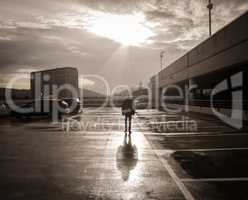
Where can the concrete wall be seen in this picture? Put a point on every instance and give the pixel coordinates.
(227, 47)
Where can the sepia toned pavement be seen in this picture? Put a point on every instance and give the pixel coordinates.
(167, 156)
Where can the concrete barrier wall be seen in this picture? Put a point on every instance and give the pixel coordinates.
(235, 55)
(179, 65)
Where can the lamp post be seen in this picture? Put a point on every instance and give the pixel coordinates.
(161, 60)
(210, 7)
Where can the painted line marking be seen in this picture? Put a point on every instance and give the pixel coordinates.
(179, 183)
(202, 134)
(114, 124)
(170, 121)
(214, 179)
(162, 152)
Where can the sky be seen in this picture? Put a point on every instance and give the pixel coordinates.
(118, 40)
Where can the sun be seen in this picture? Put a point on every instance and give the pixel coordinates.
(129, 30)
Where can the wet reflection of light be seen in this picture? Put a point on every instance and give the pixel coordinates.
(129, 152)
(136, 175)
(126, 157)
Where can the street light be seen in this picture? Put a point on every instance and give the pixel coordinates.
(210, 7)
(161, 59)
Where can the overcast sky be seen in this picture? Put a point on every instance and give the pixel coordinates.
(119, 40)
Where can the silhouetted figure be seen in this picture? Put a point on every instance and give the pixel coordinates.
(128, 110)
(126, 157)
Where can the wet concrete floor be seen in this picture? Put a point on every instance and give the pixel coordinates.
(95, 159)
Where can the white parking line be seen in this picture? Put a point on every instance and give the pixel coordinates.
(170, 122)
(214, 179)
(179, 183)
(217, 149)
(162, 152)
(181, 186)
(201, 134)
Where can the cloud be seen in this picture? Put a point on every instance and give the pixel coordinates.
(158, 15)
(114, 6)
(15, 80)
(86, 83)
(46, 34)
(5, 38)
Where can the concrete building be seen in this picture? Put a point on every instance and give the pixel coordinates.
(55, 83)
(217, 59)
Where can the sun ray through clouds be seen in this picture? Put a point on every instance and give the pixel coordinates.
(129, 30)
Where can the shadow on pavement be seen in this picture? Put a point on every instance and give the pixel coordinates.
(195, 165)
(223, 164)
(126, 157)
(214, 166)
